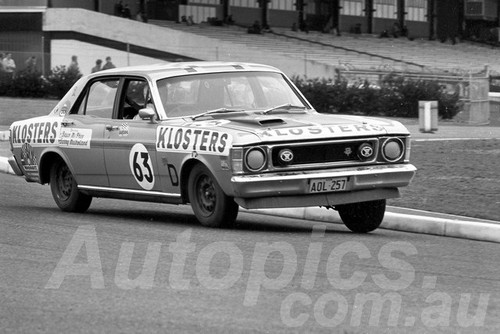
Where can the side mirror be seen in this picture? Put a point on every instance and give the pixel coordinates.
(147, 113)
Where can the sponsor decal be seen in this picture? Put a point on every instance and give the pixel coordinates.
(142, 166)
(207, 124)
(49, 133)
(178, 139)
(75, 138)
(123, 130)
(65, 108)
(29, 162)
(43, 133)
(323, 131)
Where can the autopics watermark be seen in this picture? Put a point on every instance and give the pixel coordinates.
(343, 304)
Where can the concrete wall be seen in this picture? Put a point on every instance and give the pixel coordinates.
(165, 39)
(87, 54)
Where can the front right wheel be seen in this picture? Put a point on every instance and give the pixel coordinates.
(362, 217)
(211, 206)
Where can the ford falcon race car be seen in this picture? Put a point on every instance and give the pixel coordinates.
(213, 134)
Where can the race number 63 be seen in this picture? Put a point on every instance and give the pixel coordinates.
(142, 166)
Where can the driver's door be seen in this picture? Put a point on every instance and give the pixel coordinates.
(129, 142)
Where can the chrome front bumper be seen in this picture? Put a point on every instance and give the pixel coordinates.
(291, 189)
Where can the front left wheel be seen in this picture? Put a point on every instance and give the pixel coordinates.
(211, 206)
(65, 189)
(362, 217)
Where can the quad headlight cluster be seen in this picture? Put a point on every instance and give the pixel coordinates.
(256, 159)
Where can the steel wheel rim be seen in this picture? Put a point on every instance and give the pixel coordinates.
(64, 183)
(207, 197)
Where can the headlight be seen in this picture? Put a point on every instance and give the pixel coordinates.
(393, 149)
(255, 159)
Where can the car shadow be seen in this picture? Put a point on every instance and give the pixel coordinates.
(246, 222)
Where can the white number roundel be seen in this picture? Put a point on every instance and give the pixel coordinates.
(142, 166)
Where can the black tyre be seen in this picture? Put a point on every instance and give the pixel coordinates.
(211, 206)
(65, 189)
(362, 217)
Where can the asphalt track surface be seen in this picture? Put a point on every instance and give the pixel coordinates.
(144, 267)
(396, 218)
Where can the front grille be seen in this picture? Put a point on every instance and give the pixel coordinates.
(320, 153)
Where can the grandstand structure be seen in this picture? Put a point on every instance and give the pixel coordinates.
(55, 30)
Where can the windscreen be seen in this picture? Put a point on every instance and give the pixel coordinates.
(194, 94)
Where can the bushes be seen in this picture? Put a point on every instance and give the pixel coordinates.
(33, 84)
(60, 80)
(394, 97)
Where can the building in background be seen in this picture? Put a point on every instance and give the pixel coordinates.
(21, 21)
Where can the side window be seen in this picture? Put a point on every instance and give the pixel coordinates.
(99, 99)
(136, 96)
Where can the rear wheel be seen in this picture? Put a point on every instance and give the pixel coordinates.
(362, 217)
(211, 206)
(65, 189)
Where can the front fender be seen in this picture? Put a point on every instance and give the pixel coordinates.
(217, 165)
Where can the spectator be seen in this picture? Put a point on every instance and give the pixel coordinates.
(119, 8)
(97, 66)
(266, 28)
(30, 64)
(126, 12)
(384, 34)
(9, 65)
(229, 19)
(396, 30)
(255, 28)
(142, 17)
(108, 64)
(190, 21)
(304, 26)
(357, 28)
(405, 32)
(73, 66)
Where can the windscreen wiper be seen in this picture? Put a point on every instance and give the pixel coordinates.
(215, 111)
(286, 106)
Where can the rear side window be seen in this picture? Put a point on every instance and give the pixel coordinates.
(99, 99)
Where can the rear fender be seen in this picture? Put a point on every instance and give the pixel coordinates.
(47, 159)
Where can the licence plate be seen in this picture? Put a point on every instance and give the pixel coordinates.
(328, 185)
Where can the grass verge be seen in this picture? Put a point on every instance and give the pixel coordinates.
(456, 177)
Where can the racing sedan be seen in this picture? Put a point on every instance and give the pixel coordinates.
(216, 135)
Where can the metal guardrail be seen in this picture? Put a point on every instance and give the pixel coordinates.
(471, 86)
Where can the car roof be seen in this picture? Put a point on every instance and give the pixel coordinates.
(163, 70)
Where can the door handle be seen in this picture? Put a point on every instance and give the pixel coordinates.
(67, 122)
(111, 127)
